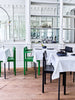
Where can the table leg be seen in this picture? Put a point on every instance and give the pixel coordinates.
(35, 70)
(4, 71)
(0, 69)
(70, 73)
(64, 83)
(59, 88)
(8, 65)
(44, 78)
(63, 78)
(50, 78)
(73, 76)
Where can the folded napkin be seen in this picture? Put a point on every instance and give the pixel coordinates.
(61, 53)
(68, 49)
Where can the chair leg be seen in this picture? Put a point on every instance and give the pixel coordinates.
(0, 69)
(59, 89)
(45, 78)
(35, 70)
(70, 73)
(8, 65)
(42, 82)
(50, 78)
(38, 67)
(63, 80)
(73, 76)
(14, 67)
(64, 83)
(24, 67)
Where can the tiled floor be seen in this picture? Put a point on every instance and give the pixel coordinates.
(26, 87)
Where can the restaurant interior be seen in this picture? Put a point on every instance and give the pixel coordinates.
(37, 49)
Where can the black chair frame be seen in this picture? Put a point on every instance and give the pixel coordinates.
(46, 69)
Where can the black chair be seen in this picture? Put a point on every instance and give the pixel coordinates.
(46, 69)
(68, 49)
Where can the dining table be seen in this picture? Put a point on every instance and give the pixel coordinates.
(37, 54)
(62, 64)
(4, 54)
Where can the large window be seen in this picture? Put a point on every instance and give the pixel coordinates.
(19, 23)
(45, 22)
(12, 23)
(69, 21)
(4, 24)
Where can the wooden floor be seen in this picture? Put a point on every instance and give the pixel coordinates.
(26, 87)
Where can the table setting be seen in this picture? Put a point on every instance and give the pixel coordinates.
(38, 53)
(63, 61)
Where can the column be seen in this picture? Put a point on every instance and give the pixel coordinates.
(27, 22)
(13, 22)
(27, 25)
(61, 43)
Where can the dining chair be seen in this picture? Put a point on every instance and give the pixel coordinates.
(46, 69)
(29, 59)
(12, 59)
(68, 49)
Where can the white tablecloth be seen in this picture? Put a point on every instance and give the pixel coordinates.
(38, 54)
(4, 54)
(62, 64)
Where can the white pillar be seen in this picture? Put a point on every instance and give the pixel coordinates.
(27, 22)
(27, 25)
(61, 43)
(13, 22)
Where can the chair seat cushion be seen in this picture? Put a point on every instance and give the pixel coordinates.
(10, 59)
(31, 57)
(1, 61)
(49, 68)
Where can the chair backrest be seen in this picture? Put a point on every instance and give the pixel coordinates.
(44, 55)
(44, 59)
(26, 51)
(68, 49)
(14, 52)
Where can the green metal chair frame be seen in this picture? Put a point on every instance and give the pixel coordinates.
(13, 59)
(29, 59)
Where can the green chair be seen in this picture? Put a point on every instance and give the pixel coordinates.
(12, 59)
(29, 59)
(0, 68)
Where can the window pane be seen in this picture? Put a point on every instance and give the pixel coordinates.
(45, 23)
(4, 23)
(69, 22)
(19, 23)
